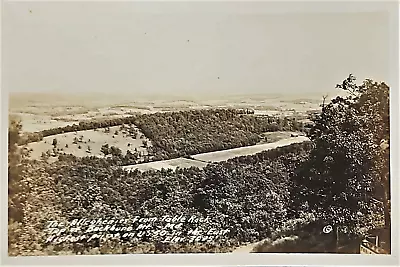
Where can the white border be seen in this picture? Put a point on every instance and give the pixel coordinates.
(236, 259)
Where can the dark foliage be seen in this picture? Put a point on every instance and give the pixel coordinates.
(248, 194)
(16, 186)
(347, 165)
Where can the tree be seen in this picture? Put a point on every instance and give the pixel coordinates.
(105, 149)
(115, 151)
(15, 185)
(144, 143)
(345, 167)
(370, 100)
(44, 156)
(54, 142)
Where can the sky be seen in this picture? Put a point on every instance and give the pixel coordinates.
(190, 48)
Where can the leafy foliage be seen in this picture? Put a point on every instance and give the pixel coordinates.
(16, 186)
(254, 186)
(248, 194)
(341, 175)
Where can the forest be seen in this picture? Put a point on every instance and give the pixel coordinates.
(92, 188)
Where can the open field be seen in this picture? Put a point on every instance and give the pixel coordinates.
(219, 156)
(34, 123)
(202, 160)
(166, 164)
(88, 143)
(270, 137)
(38, 122)
(40, 111)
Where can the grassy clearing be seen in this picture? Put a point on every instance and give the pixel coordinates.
(224, 155)
(88, 143)
(271, 137)
(167, 164)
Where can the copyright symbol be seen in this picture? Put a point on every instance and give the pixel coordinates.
(327, 229)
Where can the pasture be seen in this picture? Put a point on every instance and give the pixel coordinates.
(89, 143)
(201, 160)
(225, 155)
(166, 164)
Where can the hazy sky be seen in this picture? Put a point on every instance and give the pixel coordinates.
(183, 49)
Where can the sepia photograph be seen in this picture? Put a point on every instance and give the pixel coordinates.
(198, 128)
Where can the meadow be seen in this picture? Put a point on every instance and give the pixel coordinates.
(89, 143)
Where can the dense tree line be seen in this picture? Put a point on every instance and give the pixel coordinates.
(248, 194)
(14, 171)
(257, 185)
(17, 158)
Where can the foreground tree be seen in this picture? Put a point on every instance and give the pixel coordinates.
(347, 165)
(372, 102)
(15, 187)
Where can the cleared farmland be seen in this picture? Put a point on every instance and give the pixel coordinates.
(88, 143)
(224, 155)
(166, 164)
(202, 160)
